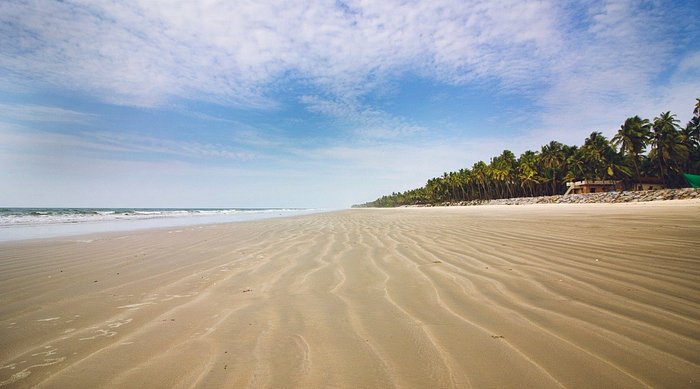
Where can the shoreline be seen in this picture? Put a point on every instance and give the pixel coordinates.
(22, 232)
(574, 295)
(86, 234)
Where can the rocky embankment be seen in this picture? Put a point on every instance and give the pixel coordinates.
(604, 197)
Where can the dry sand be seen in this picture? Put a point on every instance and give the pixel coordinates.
(602, 295)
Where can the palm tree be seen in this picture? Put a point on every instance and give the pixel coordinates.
(672, 150)
(601, 159)
(527, 170)
(435, 187)
(552, 159)
(691, 135)
(575, 165)
(508, 164)
(668, 150)
(631, 138)
(481, 174)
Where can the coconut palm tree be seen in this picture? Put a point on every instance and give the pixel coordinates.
(668, 151)
(600, 157)
(481, 174)
(575, 166)
(691, 135)
(672, 150)
(552, 157)
(507, 165)
(528, 171)
(631, 138)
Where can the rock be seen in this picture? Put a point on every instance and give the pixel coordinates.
(608, 197)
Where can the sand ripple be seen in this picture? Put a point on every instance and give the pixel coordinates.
(531, 296)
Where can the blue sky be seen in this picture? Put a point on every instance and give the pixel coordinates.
(315, 103)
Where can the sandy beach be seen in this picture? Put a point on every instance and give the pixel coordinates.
(577, 295)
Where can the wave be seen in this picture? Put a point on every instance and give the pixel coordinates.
(41, 216)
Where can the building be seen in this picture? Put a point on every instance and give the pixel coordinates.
(648, 183)
(590, 186)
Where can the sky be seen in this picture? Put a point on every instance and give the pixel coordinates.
(319, 104)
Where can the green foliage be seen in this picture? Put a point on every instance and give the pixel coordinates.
(538, 173)
(632, 138)
(669, 150)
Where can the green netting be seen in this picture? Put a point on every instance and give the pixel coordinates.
(693, 180)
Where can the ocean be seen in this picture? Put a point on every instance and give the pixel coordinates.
(34, 223)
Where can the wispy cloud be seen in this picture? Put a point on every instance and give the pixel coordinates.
(41, 113)
(365, 121)
(617, 63)
(145, 53)
(571, 58)
(136, 143)
(108, 145)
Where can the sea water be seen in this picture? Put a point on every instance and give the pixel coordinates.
(33, 223)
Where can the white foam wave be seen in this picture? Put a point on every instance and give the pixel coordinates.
(31, 217)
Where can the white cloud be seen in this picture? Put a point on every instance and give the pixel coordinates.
(146, 53)
(367, 122)
(613, 68)
(40, 144)
(690, 64)
(41, 113)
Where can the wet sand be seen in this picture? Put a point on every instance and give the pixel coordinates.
(594, 295)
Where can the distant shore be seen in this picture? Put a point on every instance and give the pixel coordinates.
(569, 295)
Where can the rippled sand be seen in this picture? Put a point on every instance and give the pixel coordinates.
(529, 296)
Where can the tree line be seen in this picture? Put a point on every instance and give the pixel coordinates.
(672, 150)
